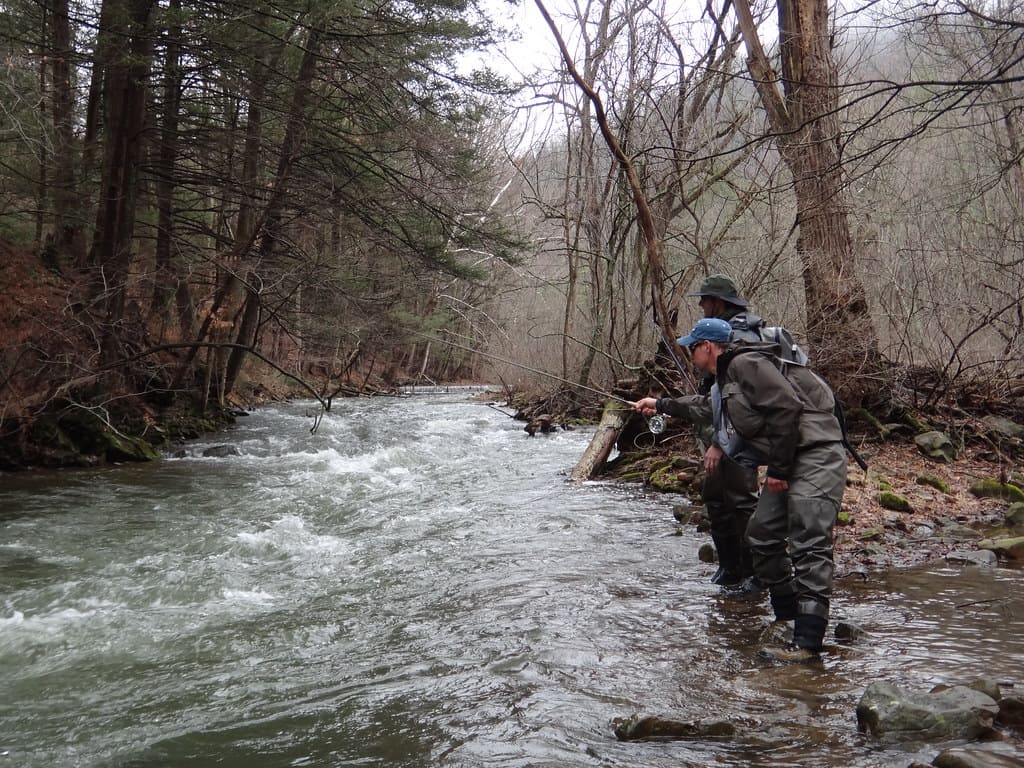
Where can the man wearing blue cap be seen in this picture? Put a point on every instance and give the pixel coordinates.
(788, 421)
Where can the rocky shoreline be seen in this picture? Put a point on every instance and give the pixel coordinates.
(910, 507)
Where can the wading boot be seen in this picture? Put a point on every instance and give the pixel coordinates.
(750, 587)
(730, 563)
(788, 654)
(784, 605)
(808, 636)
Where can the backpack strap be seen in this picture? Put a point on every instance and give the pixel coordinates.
(841, 418)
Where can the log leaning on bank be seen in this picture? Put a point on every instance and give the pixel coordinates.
(615, 416)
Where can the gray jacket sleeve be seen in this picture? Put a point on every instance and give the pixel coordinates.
(695, 409)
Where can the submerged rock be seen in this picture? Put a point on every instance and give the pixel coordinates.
(961, 757)
(847, 631)
(958, 712)
(220, 451)
(636, 728)
(1011, 710)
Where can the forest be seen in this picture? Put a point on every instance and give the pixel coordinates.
(204, 201)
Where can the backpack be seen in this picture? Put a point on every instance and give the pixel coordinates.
(791, 351)
(750, 327)
(785, 366)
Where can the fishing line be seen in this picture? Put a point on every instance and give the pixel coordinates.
(655, 424)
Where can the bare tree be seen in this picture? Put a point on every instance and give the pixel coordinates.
(802, 108)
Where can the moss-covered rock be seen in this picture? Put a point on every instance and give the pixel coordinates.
(673, 476)
(1010, 548)
(913, 421)
(707, 553)
(994, 489)
(894, 501)
(934, 482)
(121, 448)
(936, 445)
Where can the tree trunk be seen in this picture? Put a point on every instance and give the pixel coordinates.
(124, 88)
(290, 146)
(49, 255)
(166, 280)
(68, 243)
(615, 416)
(840, 332)
(106, 40)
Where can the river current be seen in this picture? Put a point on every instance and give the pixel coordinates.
(417, 583)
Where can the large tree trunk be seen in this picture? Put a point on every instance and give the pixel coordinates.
(124, 90)
(804, 117)
(166, 281)
(68, 243)
(106, 40)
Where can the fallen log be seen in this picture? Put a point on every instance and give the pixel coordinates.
(615, 416)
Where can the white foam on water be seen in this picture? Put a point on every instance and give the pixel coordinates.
(258, 598)
(290, 535)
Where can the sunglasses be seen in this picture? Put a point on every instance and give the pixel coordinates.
(693, 347)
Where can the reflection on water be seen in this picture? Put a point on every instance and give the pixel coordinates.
(418, 585)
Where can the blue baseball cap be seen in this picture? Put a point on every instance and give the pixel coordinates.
(707, 329)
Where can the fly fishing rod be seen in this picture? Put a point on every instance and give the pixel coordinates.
(655, 424)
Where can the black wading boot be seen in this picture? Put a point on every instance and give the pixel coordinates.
(750, 586)
(730, 561)
(784, 605)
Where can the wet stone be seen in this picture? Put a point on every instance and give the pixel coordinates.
(637, 728)
(958, 712)
(982, 557)
(847, 632)
(964, 757)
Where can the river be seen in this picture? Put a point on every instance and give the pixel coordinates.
(417, 583)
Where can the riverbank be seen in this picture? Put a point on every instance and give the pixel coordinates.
(943, 518)
(939, 517)
(907, 509)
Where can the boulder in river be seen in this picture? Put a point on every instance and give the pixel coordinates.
(958, 712)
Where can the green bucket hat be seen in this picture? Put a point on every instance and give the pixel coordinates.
(721, 287)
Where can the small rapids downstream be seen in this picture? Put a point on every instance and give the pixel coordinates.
(418, 584)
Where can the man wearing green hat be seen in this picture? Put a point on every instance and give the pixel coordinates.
(730, 485)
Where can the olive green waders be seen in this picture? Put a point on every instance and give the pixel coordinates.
(790, 538)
